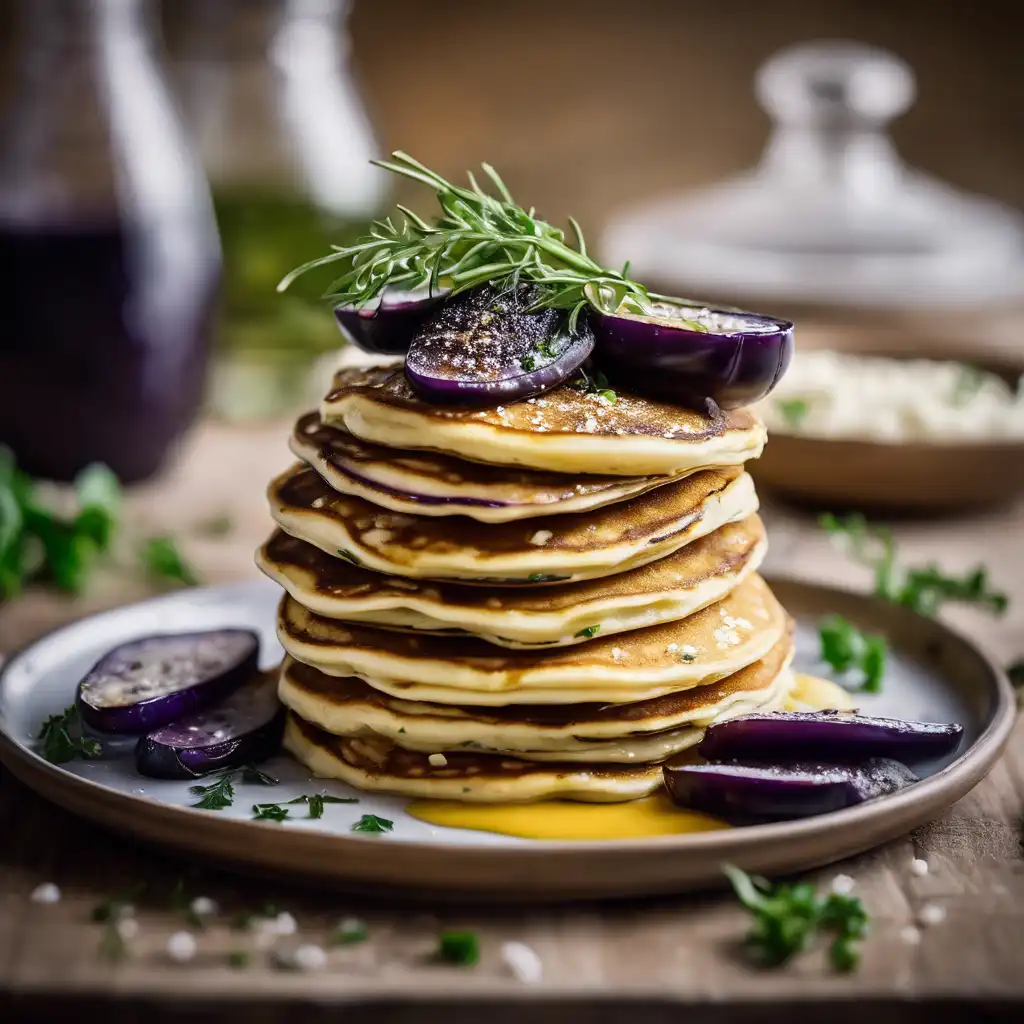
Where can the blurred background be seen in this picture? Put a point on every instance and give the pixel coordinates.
(164, 165)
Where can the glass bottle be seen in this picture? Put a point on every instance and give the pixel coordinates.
(286, 143)
(109, 258)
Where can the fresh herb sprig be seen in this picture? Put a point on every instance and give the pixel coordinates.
(162, 559)
(220, 793)
(459, 947)
(846, 648)
(62, 740)
(476, 239)
(787, 918)
(371, 823)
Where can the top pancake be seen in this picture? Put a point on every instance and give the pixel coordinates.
(564, 430)
(431, 484)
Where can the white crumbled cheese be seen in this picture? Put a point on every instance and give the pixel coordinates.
(127, 928)
(203, 906)
(842, 885)
(672, 648)
(437, 760)
(309, 958)
(523, 962)
(893, 401)
(618, 654)
(918, 867)
(932, 914)
(590, 425)
(284, 924)
(910, 935)
(181, 947)
(689, 650)
(350, 926)
(541, 537)
(46, 893)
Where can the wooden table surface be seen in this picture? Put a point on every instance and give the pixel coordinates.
(663, 957)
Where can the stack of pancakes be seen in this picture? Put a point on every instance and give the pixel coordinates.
(549, 598)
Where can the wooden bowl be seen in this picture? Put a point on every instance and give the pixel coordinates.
(912, 477)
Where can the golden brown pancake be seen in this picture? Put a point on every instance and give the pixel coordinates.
(663, 591)
(431, 484)
(638, 731)
(563, 430)
(551, 549)
(698, 650)
(375, 765)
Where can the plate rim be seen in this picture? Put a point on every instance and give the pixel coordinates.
(967, 769)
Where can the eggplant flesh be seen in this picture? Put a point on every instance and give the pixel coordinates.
(152, 681)
(486, 347)
(835, 736)
(243, 729)
(745, 793)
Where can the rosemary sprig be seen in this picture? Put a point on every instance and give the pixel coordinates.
(477, 239)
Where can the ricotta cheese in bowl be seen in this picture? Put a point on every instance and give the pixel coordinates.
(837, 395)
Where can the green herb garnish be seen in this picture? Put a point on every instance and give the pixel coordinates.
(788, 917)
(113, 948)
(269, 812)
(348, 933)
(477, 239)
(162, 559)
(251, 774)
(371, 823)
(528, 362)
(112, 907)
(217, 795)
(239, 958)
(968, 384)
(316, 801)
(589, 632)
(462, 948)
(62, 740)
(348, 556)
(793, 410)
(846, 648)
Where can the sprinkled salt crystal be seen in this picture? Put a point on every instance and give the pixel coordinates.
(523, 962)
(590, 425)
(46, 893)
(672, 648)
(689, 650)
(309, 958)
(541, 537)
(918, 867)
(842, 885)
(668, 434)
(127, 928)
(618, 654)
(500, 410)
(181, 947)
(931, 914)
(203, 906)
(437, 760)
(910, 935)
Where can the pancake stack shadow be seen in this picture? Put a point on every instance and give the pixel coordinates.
(548, 599)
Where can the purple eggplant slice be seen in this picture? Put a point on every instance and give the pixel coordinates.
(388, 327)
(487, 347)
(244, 728)
(752, 793)
(830, 735)
(692, 354)
(149, 682)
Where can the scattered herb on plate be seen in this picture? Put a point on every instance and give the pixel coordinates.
(239, 958)
(787, 918)
(62, 741)
(162, 560)
(348, 933)
(371, 823)
(845, 648)
(217, 795)
(458, 947)
(269, 812)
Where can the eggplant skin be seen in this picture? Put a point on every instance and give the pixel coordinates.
(158, 760)
(389, 329)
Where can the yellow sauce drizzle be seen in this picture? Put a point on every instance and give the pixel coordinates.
(565, 819)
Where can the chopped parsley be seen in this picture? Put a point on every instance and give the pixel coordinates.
(239, 958)
(846, 648)
(348, 933)
(251, 774)
(217, 795)
(316, 801)
(596, 385)
(162, 560)
(269, 812)
(62, 740)
(458, 947)
(371, 823)
(528, 362)
(589, 632)
(787, 918)
(793, 410)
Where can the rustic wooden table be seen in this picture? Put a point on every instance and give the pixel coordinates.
(642, 960)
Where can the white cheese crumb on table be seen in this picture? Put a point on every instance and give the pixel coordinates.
(47, 892)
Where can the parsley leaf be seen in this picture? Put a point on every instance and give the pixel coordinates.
(462, 948)
(844, 647)
(348, 933)
(589, 631)
(787, 918)
(162, 559)
(528, 362)
(269, 812)
(217, 795)
(62, 741)
(371, 823)
(99, 504)
(348, 556)
(793, 410)
(251, 774)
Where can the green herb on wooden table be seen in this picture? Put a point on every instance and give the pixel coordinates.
(845, 648)
(163, 561)
(787, 919)
(371, 823)
(459, 947)
(62, 741)
(348, 933)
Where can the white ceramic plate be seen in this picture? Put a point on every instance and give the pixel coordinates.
(935, 675)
